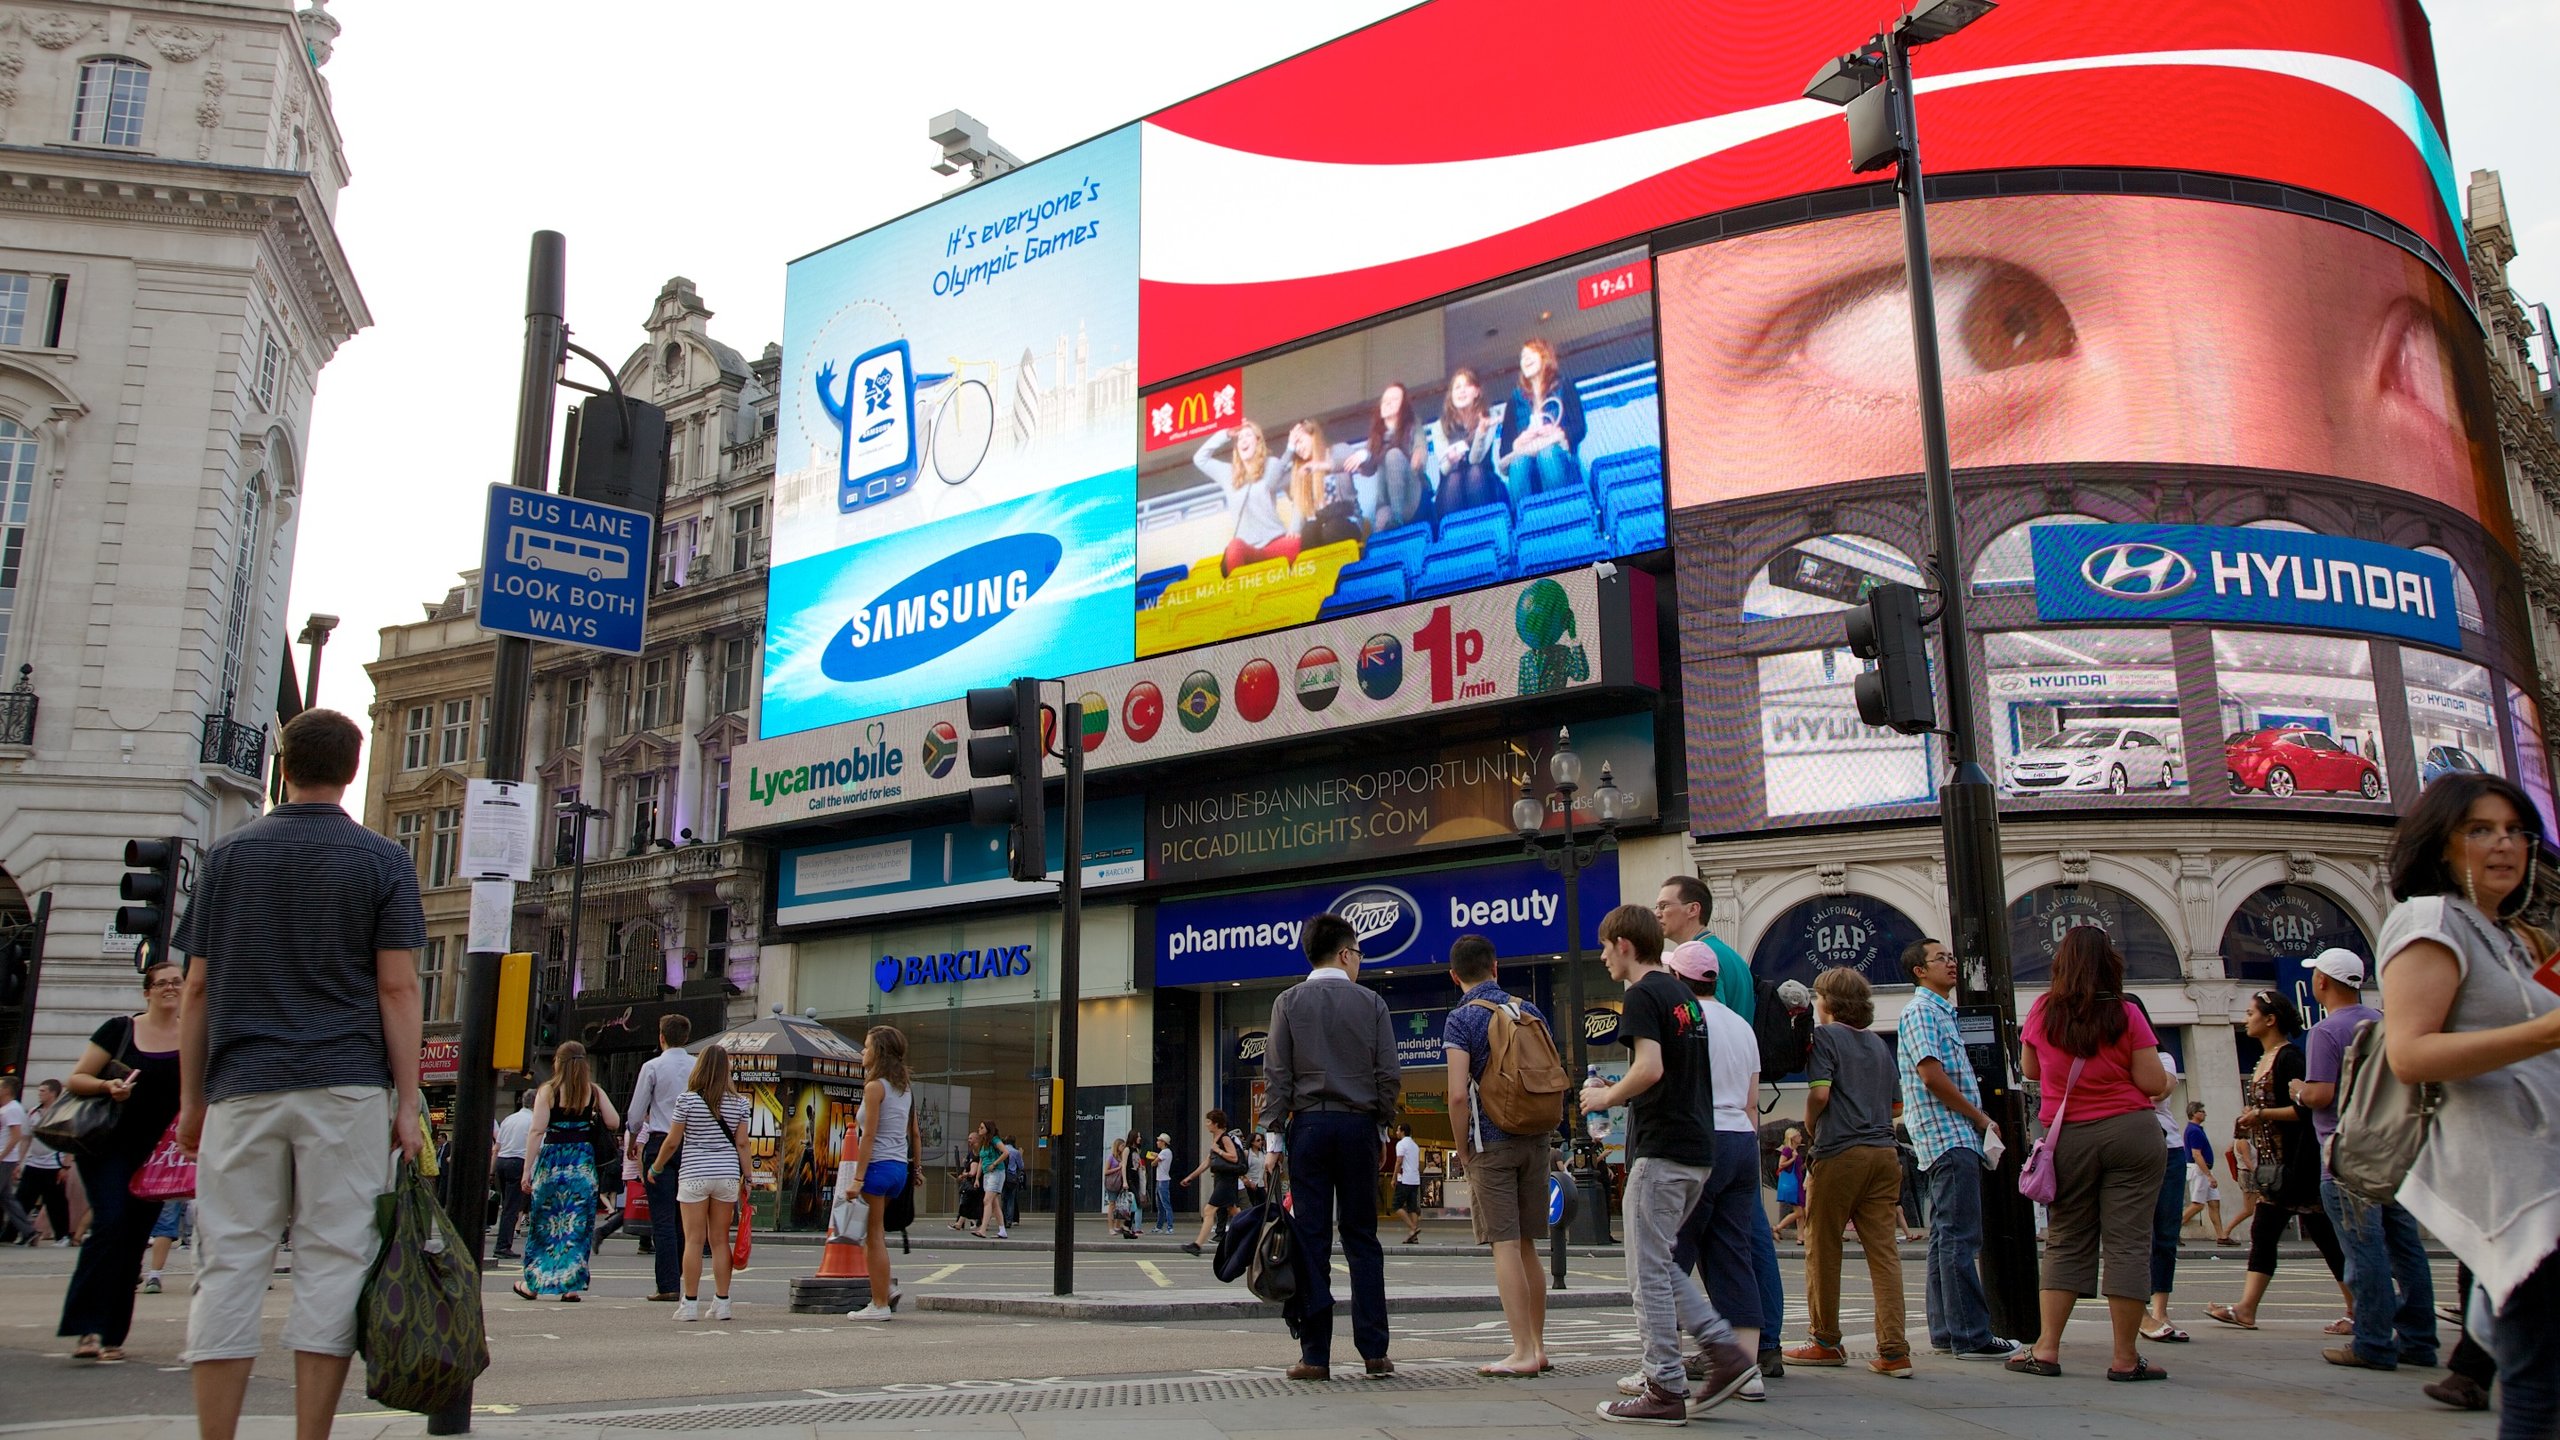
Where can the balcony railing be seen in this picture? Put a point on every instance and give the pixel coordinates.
(686, 864)
(241, 749)
(18, 710)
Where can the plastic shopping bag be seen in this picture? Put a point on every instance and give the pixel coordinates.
(418, 1320)
(170, 1173)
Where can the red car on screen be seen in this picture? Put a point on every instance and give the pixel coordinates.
(2294, 758)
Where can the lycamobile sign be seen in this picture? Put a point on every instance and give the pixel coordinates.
(844, 776)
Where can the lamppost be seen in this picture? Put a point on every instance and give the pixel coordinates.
(1569, 860)
(1873, 85)
(580, 813)
(315, 634)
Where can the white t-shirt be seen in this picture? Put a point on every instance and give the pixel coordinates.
(1733, 1057)
(13, 1133)
(1164, 1165)
(1408, 1162)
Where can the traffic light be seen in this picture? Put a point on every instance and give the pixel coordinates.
(150, 888)
(1893, 692)
(1013, 750)
(614, 452)
(17, 957)
(547, 1025)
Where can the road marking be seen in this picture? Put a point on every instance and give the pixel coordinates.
(1148, 1267)
(944, 1273)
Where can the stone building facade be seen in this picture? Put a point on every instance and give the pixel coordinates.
(2528, 417)
(171, 284)
(670, 904)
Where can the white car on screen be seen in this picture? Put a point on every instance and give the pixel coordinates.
(2115, 759)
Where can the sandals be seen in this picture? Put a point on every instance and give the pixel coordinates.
(522, 1293)
(1505, 1372)
(2228, 1316)
(2339, 1326)
(111, 1355)
(2142, 1370)
(2026, 1363)
(87, 1349)
(2167, 1334)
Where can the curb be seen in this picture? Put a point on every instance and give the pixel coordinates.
(1139, 1309)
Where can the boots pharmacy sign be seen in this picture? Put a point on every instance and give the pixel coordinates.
(2160, 573)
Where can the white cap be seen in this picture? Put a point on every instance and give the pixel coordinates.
(1795, 994)
(2344, 966)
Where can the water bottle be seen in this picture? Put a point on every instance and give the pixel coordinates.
(1597, 1120)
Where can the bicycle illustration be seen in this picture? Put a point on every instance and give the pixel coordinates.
(876, 420)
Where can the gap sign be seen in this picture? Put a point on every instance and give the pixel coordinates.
(557, 568)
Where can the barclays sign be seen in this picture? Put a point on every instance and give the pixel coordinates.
(2166, 573)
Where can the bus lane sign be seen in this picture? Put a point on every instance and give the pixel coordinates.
(553, 567)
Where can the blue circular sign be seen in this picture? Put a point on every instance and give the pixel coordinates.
(1386, 919)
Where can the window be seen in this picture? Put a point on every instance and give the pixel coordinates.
(671, 556)
(719, 822)
(564, 826)
(644, 809)
(486, 709)
(417, 738)
(715, 941)
(746, 535)
(573, 711)
(737, 672)
(107, 109)
(444, 852)
(656, 681)
(270, 364)
(31, 309)
(17, 502)
(244, 588)
(406, 829)
(456, 747)
(431, 987)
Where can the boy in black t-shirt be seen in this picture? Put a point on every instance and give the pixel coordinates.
(1670, 1145)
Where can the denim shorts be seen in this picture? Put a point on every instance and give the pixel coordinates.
(884, 1177)
(173, 1214)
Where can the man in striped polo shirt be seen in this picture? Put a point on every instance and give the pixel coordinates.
(298, 1071)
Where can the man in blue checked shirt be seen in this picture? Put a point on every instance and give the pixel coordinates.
(1942, 1105)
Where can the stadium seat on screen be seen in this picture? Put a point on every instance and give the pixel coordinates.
(1449, 570)
(1621, 466)
(1405, 545)
(1560, 549)
(1639, 530)
(1554, 509)
(1365, 592)
(1484, 525)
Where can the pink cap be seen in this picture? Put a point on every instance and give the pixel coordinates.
(1692, 960)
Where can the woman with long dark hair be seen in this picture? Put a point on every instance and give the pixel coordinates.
(569, 1112)
(2097, 1067)
(708, 1143)
(1392, 461)
(2287, 1168)
(1461, 448)
(132, 1060)
(882, 1156)
(1542, 427)
(2464, 1009)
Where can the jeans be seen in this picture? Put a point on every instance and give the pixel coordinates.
(2168, 1217)
(2384, 1253)
(511, 1198)
(666, 1222)
(1959, 1313)
(1333, 1173)
(1553, 468)
(1164, 1206)
(100, 1299)
(1773, 1288)
(2527, 1344)
(1660, 1196)
(1716, 1240)
(19, 1225)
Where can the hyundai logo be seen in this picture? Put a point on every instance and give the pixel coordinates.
(1386, 919)
(2138, 570)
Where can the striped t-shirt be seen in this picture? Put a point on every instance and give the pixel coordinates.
(708, 1155)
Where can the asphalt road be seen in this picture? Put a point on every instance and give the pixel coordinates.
(617, 1349)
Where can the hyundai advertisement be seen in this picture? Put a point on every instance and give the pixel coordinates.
(953, 485)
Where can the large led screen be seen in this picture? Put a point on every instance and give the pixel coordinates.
(1509, 434)
(956, 446)
(2081, 328)
(2299, 717)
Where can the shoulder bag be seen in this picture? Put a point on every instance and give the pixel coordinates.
(77, 1124)
(2383, 1123)
(1221, 1162)
(2037, 1179)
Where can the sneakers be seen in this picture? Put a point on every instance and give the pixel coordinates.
(1729, 1370)
(689, 1310)
(720, 1308)
(1892, 1367)
(1814, 1352)
(1752, 1389)
(873, 1312)
(1004, 1234)
(2459, 1391)
(150, 1284)
(1773, 1365)
(1998, 1350)
(1654, 1406)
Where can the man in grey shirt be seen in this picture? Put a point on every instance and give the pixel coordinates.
(1857, 1173)
(1329, 1076)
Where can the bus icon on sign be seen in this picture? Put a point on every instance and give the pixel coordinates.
(537, 550)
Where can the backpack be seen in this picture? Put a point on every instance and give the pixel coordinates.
(1523, 1084)
(2383, 1121)
(1786, 1040)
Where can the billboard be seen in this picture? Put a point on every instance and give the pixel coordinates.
(955, 444)
(946, 865)
(1549, 636)
(1507, 434)
(2158, 573)
(1658, 111)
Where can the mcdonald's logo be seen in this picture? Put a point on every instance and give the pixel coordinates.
(1187, 412)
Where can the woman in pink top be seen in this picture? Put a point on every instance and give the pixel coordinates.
(2107, 1155)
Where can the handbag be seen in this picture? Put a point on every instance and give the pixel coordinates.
(418, 1320)
(77, 1124)
(170, 1173)
(1219, 1164)
(2266, 1171)
(2383, 1123)
(744, 1245)
(2037, 1179)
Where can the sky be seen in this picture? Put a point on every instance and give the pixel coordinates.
(669, 139)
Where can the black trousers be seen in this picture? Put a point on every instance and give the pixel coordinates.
(44, 1187)
(2266, 1227)
(100, 1300)
(511, 1200)
(666, 1222)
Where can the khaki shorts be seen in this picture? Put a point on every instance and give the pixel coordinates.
(314, 1159)
(694, 1189)
(1507, 1189)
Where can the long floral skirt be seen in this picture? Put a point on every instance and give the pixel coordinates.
(562, 1224)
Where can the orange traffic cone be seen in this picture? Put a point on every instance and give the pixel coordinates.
(843, 1281)
(843, 1259)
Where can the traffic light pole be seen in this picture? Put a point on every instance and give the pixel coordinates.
(1062, 1167)
(511, 686)
(1977, 890)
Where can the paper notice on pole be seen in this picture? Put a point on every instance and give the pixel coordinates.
(493, 916)
(499, 821)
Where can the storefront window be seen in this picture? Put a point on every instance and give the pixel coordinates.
(2298, 716)
(2451, 725)
(1817, 757)
(1830, 572)
(2040, 918)
(1832, 931)
(2085, 712)
(2466, 596)
(2272, 936)
(2008, 563)
(2533, 761)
